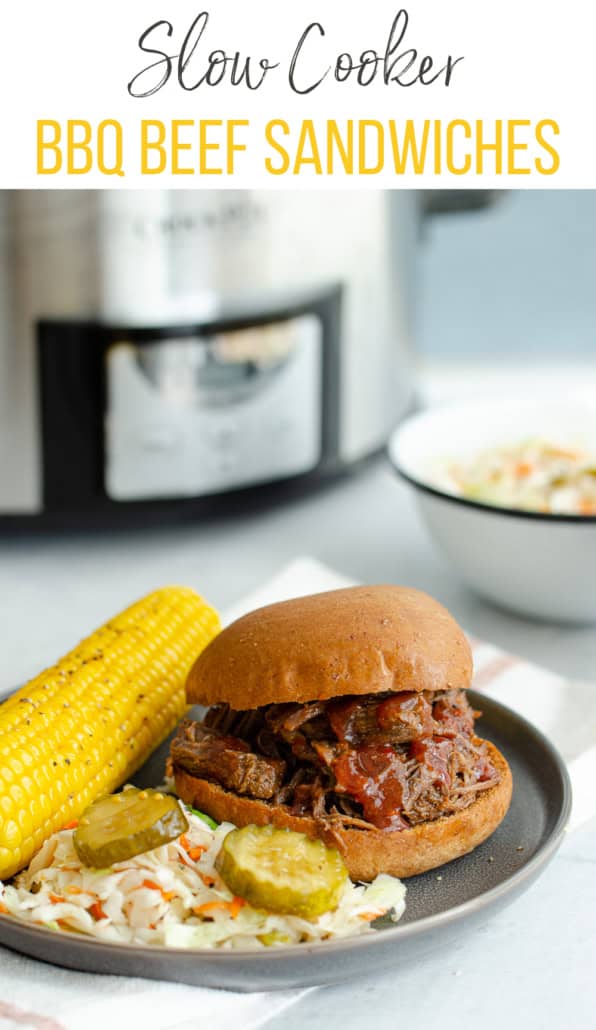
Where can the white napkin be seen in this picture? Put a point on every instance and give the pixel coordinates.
(48, 998)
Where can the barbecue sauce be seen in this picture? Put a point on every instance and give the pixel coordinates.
(434, 754)
(375, 776)
(409, 708)
(401, 717)
(342, 717)
(228, 743)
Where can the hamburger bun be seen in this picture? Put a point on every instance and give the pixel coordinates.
(360, 640)
(368, 852)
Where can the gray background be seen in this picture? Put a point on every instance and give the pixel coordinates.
(516, 279)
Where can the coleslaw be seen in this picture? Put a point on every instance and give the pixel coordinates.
(534, 475)
(174, 896)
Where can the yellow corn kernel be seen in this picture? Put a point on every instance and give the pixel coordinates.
(84, 726)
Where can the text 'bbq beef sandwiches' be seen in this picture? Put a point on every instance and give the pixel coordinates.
(344, 715)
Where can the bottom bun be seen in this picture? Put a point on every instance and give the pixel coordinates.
(367, 853)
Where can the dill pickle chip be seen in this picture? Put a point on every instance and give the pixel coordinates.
(282, 871)
(123, 825)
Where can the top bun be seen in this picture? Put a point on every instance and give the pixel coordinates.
(362, 640)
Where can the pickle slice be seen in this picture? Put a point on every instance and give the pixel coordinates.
(282, 871)
(123, 825)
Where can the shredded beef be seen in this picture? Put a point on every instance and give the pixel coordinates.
(392, 720)
(228, 760)
(386, 761)
(453, 715)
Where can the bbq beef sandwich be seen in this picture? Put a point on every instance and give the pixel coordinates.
(344, 715)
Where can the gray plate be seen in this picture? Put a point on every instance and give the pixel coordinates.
(441, 904)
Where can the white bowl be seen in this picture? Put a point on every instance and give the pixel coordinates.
(538, 564)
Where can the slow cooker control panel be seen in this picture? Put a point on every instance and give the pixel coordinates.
(198, 414)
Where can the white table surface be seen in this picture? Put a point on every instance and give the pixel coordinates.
(533, 965)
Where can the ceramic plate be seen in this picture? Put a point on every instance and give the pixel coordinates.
(440, 905)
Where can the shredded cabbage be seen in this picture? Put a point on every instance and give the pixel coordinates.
(534, 475)
(159, 898)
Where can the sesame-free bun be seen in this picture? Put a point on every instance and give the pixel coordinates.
(367, 853)
(361, 640)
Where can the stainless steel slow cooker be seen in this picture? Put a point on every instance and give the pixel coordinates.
(162, 350)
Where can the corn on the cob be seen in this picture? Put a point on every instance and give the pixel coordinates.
(82, 727)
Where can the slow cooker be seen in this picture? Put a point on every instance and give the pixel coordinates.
(161, 351)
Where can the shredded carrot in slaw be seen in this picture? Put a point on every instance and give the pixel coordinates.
(233, 907)
(193, 851)
(152, 885)
(97, 911)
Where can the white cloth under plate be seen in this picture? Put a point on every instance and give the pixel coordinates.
(36, 995)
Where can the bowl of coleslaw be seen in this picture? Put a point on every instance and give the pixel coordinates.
(507, 489)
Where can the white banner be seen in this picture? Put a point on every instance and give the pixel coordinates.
(263, 94)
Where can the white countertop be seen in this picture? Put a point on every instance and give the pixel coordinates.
(55, 588)
(533, 964)
(531, 967)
